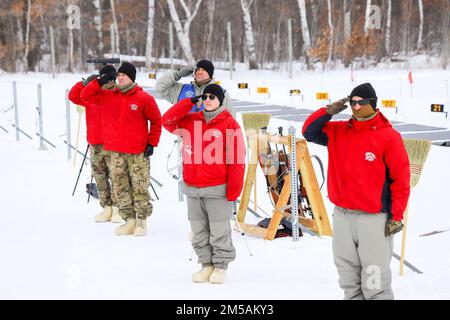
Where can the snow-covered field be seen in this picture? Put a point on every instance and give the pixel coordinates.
(52, 249)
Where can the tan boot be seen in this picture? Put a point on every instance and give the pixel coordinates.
(127, 228)
(202, 275)
(218, 276)
(116, 218)
(141, 227)
(105, 215)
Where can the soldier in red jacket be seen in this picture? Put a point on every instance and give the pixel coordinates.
(213, 173)
(368, 181)
(127, 111)
(100, 158)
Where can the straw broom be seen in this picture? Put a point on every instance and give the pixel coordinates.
(253, 122)
(417, 152)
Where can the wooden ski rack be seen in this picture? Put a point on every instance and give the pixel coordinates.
(319, 224)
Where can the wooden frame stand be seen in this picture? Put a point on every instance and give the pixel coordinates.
(319, 224)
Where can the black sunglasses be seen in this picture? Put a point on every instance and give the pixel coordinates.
(210, 96)
(363, 102)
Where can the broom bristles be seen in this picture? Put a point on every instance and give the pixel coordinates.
(255, 121)
(417, 152)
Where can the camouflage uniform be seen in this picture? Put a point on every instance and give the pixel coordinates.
(101, 169)
(131, 178)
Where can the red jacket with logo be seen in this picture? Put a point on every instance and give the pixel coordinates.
(213, 153)
(368, 167)
(94, 120)
(126, 117)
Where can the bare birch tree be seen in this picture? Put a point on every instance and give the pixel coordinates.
(387, 39)
(367, 19)
(211, 8)
(248, 31)
(331, 36)
(445, 34)
(116, 28)
(150, 31)
(304, 24)
(419, 39)
(312, 30)
(27, 37)
(183, 30)
(20, 43)
(98, 25)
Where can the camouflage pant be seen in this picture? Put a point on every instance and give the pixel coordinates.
(131, 178)
(101, 168)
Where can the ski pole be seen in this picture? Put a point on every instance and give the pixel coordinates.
(239, 228)
(90, 188)
(81, 169)
(151, 185)
(190, 240)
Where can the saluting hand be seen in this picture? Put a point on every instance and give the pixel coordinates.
(337, 106)
(184, 72)
(107, 77)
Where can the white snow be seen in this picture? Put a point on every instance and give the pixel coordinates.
(52, 249)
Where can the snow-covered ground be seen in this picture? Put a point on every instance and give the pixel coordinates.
(51, 247)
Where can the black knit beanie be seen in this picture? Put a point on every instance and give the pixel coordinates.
(128, 69)
(107, 69)
(365, 91)
(207, 65)
(215, 90)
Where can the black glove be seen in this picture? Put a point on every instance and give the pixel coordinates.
(393, 227)
(107, 77)
(337, 106)
(196, 99)
(89, 79)
(148, 151)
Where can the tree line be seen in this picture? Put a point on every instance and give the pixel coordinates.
(325, 32)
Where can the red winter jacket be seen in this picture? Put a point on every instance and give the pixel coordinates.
(94, 121)
(125, 118)
(368, 167)
(213, 153)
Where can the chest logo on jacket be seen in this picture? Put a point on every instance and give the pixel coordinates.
(134, 107)
(370, 156)
(216, 134)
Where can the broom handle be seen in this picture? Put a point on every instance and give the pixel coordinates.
(254, 182)
(402, 256)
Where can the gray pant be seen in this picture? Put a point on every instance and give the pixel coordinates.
(210, 225)
(362, 254)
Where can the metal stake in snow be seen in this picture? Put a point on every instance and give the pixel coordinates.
(69, 138)
(16, 111)
(294, 195)
(41, 123)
